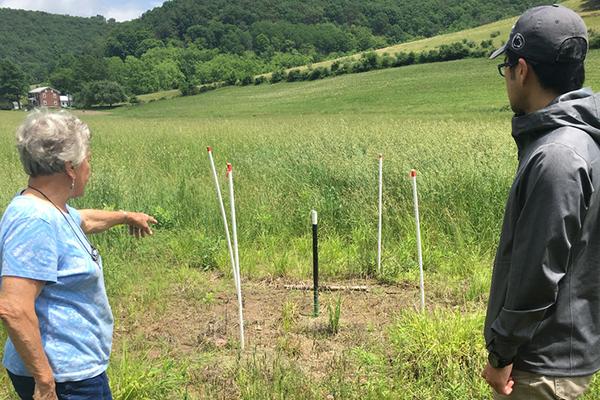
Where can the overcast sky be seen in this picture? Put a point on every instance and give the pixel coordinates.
(121, 10)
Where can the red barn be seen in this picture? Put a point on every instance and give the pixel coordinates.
(44, 97)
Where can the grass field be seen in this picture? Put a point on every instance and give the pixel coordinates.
(295, 147)
(164, 95)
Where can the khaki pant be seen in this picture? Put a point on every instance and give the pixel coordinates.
(530, 386)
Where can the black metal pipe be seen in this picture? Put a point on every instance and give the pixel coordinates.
(315, 263)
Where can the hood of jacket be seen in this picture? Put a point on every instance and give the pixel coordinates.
(577, 109)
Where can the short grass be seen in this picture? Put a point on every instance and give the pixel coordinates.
(164, 95)
(297, 147)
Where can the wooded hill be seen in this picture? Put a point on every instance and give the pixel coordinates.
(38, 41)
(324, 26)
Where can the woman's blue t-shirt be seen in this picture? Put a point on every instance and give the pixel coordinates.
(75, 318)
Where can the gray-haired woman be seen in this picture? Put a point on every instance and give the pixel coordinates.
(53, 301)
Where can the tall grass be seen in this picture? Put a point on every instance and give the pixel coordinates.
(429, 357)
(141, 378)
(297, 147)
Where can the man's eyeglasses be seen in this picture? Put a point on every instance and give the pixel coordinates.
(504, 65)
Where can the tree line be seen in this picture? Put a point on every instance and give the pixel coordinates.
(214, 70)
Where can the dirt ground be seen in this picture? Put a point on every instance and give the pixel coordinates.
(276, 319)
(190, 324)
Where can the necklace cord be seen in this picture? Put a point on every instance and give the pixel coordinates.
(94, 252)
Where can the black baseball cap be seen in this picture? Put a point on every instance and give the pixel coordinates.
(548, 35)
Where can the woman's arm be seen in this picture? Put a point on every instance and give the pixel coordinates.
(17, 311)
(96, 221)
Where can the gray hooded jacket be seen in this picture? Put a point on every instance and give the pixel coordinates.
(544, 305)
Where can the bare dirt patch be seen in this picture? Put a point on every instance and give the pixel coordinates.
(277, 319)
(197, 322)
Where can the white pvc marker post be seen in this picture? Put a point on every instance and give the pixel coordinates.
(224, 216)
(380, 213)
(236, 253)
(413, 175)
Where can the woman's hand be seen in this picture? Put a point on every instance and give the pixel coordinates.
(139, 223)
(96, 221)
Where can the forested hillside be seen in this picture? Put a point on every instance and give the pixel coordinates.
(185, 43)
(38, 41)
(323, 26)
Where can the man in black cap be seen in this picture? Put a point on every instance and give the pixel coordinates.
(542, 327)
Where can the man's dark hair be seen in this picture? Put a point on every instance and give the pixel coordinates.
(561, 77)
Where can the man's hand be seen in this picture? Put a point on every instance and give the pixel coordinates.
(45, 391)
(499, 379)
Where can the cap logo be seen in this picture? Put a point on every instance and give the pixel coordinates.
(518, 41)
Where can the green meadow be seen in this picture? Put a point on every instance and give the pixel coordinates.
(296, 147)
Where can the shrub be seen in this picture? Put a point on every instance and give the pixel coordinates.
(387, 61)
(335, 66)
(314, 74)
(325, 72)
(187, 88)
(277, 76)
(344, 68)
(403, 58)
(304, 74)
(453, 51)
(246, 80)
(469, 43)
(487, 43)
(206, 88)
(293, 76)
(318, 73)
(426, 56)
(446, 52)
(370, 61)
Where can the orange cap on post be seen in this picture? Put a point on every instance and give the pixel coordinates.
(209, 149)
(229, 169)
(413, 173)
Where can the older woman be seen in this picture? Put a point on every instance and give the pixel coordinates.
(53, 301)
